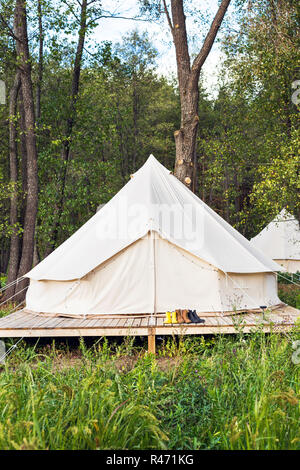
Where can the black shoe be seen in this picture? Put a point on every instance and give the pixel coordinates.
(200, 320)
(191, 316)
(195, 317)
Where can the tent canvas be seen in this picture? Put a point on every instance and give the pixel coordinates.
(280, 240)
(153, 247)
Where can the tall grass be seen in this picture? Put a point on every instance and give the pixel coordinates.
(237, 392)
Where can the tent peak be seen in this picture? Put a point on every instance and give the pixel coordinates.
(151, 164)
(283, 216)
(280, 240)
(152, 160)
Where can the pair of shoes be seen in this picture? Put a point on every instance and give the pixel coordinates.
(185, 316)
(170, 318)
(194, 317)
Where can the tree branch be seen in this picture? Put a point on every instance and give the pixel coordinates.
(10, 31)
(209, 40)
(168, 16)
(72, 9)
(181, 43)
(119, 18)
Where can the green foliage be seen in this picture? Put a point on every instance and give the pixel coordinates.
(230, 393)
(288, 278)
(248, 143)
(124, 113)
(262, 65)
(2, 280)
(289, 294)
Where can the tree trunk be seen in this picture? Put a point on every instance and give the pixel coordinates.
(186, 137)
(72, 114)
(23, 151)
(135, 121)
(188, 78)
(40, 63)
(13, 165)
(38, 100)
(23, 58)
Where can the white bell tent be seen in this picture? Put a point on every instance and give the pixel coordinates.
(153, 247)
(280, 240)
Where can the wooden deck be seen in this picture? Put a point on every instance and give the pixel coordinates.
(28, 324)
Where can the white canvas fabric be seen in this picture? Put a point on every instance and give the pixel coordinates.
(153, 247)
(280, 240)
(289, 265)
(130, 283)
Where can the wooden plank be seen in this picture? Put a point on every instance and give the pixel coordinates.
(160, 321)
(27, 321)
(97, 322)
(290, 310)
(247, 319)
(286, 312)
(201, 330)
(114, 322)
(228, 320)
(74, 332)
(57, 322)
(27, 324)
(11, 318)
(288, 318)
(129, 322)
(221, 321)
(209, 321)
(197, 330)
(49, 322)
(33, 321)
(12, 315)
(275, 318)
(83, 322)
(144, 321)
(106, 323)
(121, 323)
(137, 322)
(151, 341)
(258, 319)
(88, 322)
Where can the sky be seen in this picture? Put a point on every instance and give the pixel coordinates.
(112, 29)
